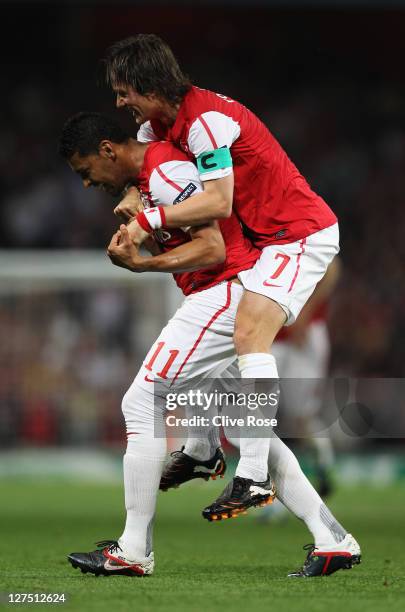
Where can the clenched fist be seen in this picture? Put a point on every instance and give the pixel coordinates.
(124, 253)
(130, 205)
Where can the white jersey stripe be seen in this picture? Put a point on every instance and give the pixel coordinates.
(207, 129)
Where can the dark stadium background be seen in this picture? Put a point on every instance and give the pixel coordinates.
(328, 80)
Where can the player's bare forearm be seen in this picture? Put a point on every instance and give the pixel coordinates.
(215, 202)
(204, 251)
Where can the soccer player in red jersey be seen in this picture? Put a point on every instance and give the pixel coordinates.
(243, 169)
(196, 343)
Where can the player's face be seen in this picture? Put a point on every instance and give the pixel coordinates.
(97, 170)
(142, 108)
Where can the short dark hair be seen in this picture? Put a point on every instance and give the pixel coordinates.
(146, 63)
(83, 132)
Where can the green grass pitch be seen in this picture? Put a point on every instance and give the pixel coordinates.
(238, 564)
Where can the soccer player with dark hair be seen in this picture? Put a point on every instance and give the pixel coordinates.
(195, 344)
(245, 170)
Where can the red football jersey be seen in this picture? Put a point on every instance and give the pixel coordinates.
(167, 178)
(271, 198)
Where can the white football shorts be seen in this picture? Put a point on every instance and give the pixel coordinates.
(289, 273)
(197, 342)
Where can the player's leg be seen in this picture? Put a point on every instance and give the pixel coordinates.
(132, 553)
(337, 548)
(215, 351)
(276, 289)
(298, 495)
(179, 352)
(212, 351)
(254, 451)
(184, 351)
(296, 492)
(205, 322)
(143, 463)
(264, 315)
(251, 485)
(204, 441)
(258, 320)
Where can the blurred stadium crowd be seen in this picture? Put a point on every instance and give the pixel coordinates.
(69, 356)
(337, 109)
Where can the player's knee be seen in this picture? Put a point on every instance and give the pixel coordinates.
(244, 337)
(138, 409)
(258, 321)
(128, 407)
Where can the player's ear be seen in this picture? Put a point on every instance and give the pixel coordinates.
(106, 150)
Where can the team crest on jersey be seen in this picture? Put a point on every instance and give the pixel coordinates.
(186, 193)
(146, 198)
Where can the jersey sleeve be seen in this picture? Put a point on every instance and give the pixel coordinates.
(212, 130)
(146, 133)
(174, 182)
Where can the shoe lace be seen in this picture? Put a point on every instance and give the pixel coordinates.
(178, 453)
(310, 548)
(112, 545)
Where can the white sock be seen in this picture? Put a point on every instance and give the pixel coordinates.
(253, 462)
(295, 491)
(299, 496)
(257, 365)
(143, 465)
(201, 445)
(202, 442)
(254, 452)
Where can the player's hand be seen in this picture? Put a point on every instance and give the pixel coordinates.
(130, 205)
(136, 233)
(124, 253)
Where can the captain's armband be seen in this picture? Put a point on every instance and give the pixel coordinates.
(218, 159)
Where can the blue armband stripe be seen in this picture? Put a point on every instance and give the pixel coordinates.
(217, 159)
